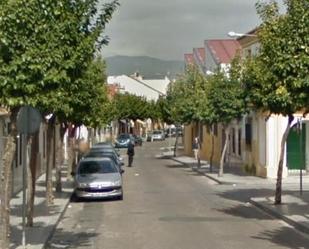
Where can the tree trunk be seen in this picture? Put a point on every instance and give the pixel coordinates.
(31, 174)
(5, 194)
(280, 164)
(58, 157)
(212, 149)
(49, 166)
(227, 131)
(71, 158)
(176, 144)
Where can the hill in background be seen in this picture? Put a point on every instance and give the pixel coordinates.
(146, 66)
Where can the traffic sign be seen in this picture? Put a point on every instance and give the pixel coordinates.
(28, 120)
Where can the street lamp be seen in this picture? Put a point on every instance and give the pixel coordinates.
(234, 34)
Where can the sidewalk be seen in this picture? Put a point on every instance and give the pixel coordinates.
(45, 218)
(294, 208)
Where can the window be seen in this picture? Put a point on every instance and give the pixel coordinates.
(233, 141)
(239, 142)
(248, 133)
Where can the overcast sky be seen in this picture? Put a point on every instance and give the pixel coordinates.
(167, 29)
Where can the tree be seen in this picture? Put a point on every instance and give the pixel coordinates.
(224, 102)
(184, 98)
(277, 78)
(129, 106)
(45, 49)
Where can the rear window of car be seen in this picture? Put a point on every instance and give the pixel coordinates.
(124, 136)
(96, 167)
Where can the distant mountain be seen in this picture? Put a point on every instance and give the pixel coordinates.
(148, 67)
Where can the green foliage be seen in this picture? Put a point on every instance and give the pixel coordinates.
(129, 106)
(224, 99)
(279, 80)
(164, 110)
(90, 98)
(46, 49)
(184, 96)
(212, 99)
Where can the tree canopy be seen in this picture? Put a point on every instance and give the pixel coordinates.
(46, 49)
(278, 79)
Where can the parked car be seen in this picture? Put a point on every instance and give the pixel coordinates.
(138, 140)
(98, 178)
(106, 153)
(123, 140)
(158, 135)
(103, 145)
(97, 148)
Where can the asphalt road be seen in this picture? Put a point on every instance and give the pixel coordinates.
(167, 206)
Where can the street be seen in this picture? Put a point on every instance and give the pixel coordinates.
(167, 206)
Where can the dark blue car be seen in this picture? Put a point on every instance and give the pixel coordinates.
(123, 140)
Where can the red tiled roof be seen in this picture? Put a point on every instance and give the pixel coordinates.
(189, 59)
(223, 50)
(200, 54)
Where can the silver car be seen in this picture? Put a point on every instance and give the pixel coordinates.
(158, 135)
(98, 178)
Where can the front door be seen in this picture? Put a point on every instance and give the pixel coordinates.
(296, 148)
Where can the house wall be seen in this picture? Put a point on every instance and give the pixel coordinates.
(254, 155)
(274, 131)
(207, 146)
(307, 145)
(210, 63)
(261, 147)
(188, 136)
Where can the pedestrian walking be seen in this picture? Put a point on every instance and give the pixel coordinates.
(130, 153)
(196, 149)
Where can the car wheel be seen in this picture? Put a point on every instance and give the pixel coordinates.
(74, 197)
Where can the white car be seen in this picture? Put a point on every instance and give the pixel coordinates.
(158, 135)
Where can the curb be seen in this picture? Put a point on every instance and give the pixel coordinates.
(196, 170)
(210, 177)
(52, 232)
(298, 226)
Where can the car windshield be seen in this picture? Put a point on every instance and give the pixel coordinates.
(96, 167)
(124, 136)
(157, 132)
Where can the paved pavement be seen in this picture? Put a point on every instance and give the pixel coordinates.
(294, 209)
(46, 217)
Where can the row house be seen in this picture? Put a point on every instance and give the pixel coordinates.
(262, 134)
(216, 54)
(151, 89)
(254, 141)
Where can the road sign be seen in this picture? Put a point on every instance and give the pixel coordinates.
(28, 120)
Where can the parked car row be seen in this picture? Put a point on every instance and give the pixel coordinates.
(162, 134)
(124, 139)
(99, 173)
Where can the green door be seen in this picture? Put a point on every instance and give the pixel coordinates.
(296, 148)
